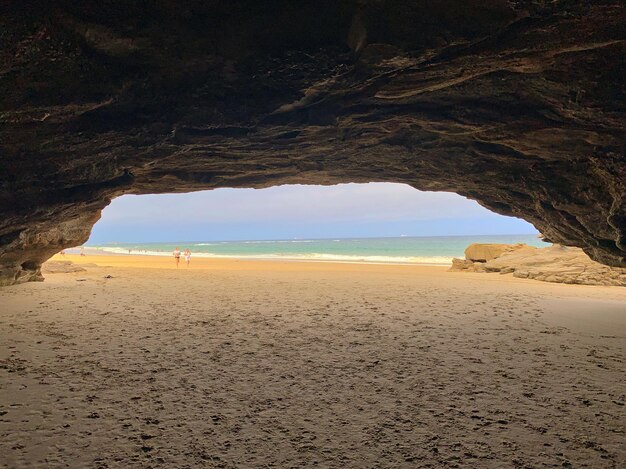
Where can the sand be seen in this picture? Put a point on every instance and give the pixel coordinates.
(241, 364)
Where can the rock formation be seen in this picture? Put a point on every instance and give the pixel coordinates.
(61, 267)
(556, 264)
(483, 252)
(516, 104)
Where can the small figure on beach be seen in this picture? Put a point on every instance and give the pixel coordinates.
(177, 255)
(129, 251)
(82, 250)
(187, 254)
(62, 253)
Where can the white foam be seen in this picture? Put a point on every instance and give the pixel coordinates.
(309, 257)
(282, 241)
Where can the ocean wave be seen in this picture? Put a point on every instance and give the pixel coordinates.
(279, 241)
(310, 257)
(437, 260)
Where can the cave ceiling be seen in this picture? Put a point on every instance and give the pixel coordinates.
(518, 105)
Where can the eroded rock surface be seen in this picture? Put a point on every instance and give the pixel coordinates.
(557, 264)
(519, 105)
(61, 267)
(483, 252)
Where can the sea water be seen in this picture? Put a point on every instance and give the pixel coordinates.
(438, 250)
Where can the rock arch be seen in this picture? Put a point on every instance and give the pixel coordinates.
(519, 105)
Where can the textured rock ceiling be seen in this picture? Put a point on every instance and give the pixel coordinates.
(518, 105)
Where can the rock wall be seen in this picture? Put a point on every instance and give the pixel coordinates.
(519, 105)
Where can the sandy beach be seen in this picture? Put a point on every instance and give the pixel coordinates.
(237, 364)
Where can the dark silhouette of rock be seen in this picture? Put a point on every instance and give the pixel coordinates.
(518, 105)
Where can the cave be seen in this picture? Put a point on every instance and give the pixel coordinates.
(519, 105)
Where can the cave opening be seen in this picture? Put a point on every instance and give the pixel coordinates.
(374, 222)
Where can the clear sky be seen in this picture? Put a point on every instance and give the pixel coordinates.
(285, 212)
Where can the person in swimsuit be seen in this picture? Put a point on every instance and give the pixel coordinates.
(187, 256)
(177, 256)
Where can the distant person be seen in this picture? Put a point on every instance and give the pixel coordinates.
(187, 256)
(62, 253)
(82, 251)
(177, 256)
(129, 251)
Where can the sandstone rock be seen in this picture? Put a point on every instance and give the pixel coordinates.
(479, 252)
(556, 264)
(459, 265)
(61, 267)
(518, 105)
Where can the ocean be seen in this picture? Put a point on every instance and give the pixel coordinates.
(437, 250)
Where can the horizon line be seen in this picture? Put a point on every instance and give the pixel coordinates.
(307, 239)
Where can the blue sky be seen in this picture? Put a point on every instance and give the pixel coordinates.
(285, 212)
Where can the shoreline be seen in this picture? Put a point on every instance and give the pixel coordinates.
(231, 263)
(403, 250)
(131, 265)
(446, 261)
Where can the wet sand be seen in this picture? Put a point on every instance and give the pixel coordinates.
(289, 364)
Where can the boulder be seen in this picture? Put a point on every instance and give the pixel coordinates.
(557, 264)
(479, 252)
(466, 265)
(61, 267)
